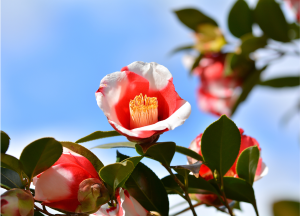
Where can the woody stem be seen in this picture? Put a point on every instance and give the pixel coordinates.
(181, 185)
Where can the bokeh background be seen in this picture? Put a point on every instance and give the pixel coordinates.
(54, 54)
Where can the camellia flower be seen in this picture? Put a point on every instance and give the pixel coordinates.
(295, 5)
(17, 202)
(126, 206)
(217, 93)
(140, 102)
(72, 184)
(205, 172)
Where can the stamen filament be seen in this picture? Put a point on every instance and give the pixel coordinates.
(143, 111)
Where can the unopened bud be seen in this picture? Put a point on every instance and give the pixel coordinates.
(16, 202)
(91, 194)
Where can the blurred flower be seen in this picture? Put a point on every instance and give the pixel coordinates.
(205, 172)
(17, 202)
(126, 205)
(217, 93)
(140, 102)
(209, 38)
(295, 5)
(72, 184)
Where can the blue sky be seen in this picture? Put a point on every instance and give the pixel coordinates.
(54, 54)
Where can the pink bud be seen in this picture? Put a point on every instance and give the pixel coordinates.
(17, 202)
(59, 186)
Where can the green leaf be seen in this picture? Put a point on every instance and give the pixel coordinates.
(116, 145)
(251, 43)
(240, 190)
(286, 207)
(248, 85)
(196, 185)
(79, 149)
(4, 141)
(192, 18)
(37, 213)
(271, 20)
(220, 144)
(188, 152)
(114, 174)
(240, 19)
(247, 164)
(40, 155)
(294, 31)
(162, 152)
(134, 160)
(282, 82)
(10, 179)
(98, 135)
(10, 162)
(146, 187)
(182, 48)
(196, 63)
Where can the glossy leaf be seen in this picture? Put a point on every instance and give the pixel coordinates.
(286, 207)
(10, 162)
(114, 174)
(5, 139)
(162, 152)
(79, 149)
(269, 16)
(251, 43)
(98, 135)
(240, 190)
(37, 213)
(146, 187)
(182, 48)
(188, 152)
(247, 164)
(116, 145)
(282, 82)
(220, 144)
(10, 179)
(196, 185)
(248, 85)
(134, 160)
(40, 155)
(240, 19)
(192, 18)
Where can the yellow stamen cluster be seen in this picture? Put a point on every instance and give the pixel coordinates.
(143, 111)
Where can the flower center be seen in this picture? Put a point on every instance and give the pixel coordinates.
(143, 111)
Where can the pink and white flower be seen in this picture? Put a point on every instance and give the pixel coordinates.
(140, 101)
(17, 202)
(217, 92)
(70, 184)
(205, 172)
(126, 206)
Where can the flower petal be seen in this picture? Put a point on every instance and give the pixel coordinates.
(60, 182)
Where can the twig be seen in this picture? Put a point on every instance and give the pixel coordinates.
(186, 194)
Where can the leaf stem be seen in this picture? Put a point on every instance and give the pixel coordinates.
(224, 196)
(181, 185)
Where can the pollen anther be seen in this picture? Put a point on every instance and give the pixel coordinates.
(143, 111)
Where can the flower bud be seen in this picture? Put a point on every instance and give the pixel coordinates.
(17, 202)
(91, 194)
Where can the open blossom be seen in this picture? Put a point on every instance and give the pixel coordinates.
(205, 172)
(126, 206)
(295, 5)
(17, 202)
(72, 184)
(217, 93)
(140, 101)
